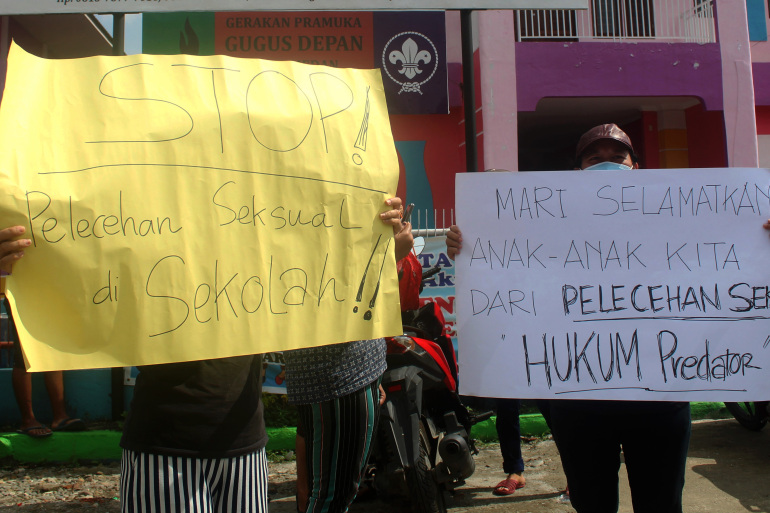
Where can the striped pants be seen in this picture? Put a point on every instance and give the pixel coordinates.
(338, 436)
(153, 483)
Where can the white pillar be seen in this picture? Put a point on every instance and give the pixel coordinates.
(737, 84)
(497, 62)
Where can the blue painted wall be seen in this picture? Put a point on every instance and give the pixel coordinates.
(418, 190)
(755, 9)
(86, 392)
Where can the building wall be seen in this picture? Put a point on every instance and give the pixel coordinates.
(673, 148)
(86, 395)
(657, 72)
(758, 12)
(498, 84)
(764, 151)
(763, 134)
(430, 148)
(705, 137)
(618, 69)
(757, 20)
(738, 97)
(719, 132)
(761, 78)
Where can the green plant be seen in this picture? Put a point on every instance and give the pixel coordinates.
(279, 456)
(278, 411)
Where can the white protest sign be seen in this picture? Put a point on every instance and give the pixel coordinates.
(639, 285)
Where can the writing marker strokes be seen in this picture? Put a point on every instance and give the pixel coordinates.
(55, 222)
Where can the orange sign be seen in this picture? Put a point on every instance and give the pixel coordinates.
(337, 39)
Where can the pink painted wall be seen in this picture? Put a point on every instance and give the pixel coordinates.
(760, 51)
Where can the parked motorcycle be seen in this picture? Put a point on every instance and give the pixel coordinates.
(423, 449)
(752, 416)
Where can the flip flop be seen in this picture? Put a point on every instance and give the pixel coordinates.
(28, 431)
(507, 487)
(70, 424)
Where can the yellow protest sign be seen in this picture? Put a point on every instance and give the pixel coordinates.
(185, 207)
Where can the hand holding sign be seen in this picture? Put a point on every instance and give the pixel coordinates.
(11, 247)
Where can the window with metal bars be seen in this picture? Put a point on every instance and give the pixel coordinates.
(704, 8)
(545, 25)
(623, 18)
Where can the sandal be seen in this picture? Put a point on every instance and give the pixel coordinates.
(507, 487)
(69, 424)
(38, 431)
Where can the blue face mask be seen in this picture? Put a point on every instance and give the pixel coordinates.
(608, 166)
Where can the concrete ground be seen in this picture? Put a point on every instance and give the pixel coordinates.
(728, 471)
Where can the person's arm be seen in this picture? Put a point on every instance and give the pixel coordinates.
(404, 240)
(454, 241)
(11, 247)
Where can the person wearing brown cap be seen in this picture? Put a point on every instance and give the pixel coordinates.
(654, 436)
(605, 147)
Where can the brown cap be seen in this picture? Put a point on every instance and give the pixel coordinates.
(597, 133)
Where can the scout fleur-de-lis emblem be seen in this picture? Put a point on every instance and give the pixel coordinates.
(409, 56)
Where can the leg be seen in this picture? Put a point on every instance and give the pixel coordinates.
(338, 438)
(302, 478)
(655, 447)
(544, 405)
(509, 434)
(22, 390)
(171, 484)
(238, 483)
(54, 384)
(590, 453)
(156, 483)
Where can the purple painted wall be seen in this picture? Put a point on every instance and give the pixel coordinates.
(618, 69)
(761, 73)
